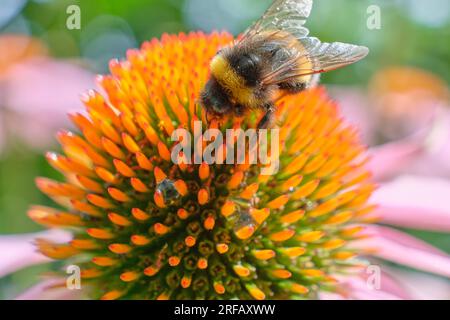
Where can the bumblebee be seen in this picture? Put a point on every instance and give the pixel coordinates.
(274, 57)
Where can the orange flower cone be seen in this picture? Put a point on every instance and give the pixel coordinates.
(147, 228)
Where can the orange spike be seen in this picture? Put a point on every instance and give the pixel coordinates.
(228, 208)
(160, 176)
(140, 240)
(80, 121)
(99, 201)
(90, 184)
(245, 232)
(311, 236)
(160, 228)
(291, 183)
(123, 169)
(150, 133)
(138, 185)
(203, 171)
(312, 272)
(174, 261)
(112, 149)
(181, 187)
(92, 137)
(255, 292)
(324, 208)
(315, 164)
(263, 254)
(281, 274)
(139, 214)
(186, 282)
(235, 180)
(327, 190)
(292, 217)
(110, 132)
(84, 244)
(182, 161)
(118, 195)
(260, 215)
(279, 202)
(241, 271)
(190, 241)
(344, 255)
(339, 218)
(130, 144)
(159, 199)
(58, 189)
(219, 288)
(209, 222)
(51, 217)
(298, 288)
(119, 248)
(203, 196)
(150, 271)
(182, 214)
(104, 261)
(100, 233)
(55, 250)
(128, 123)
(306, 189)
(296, 164)
(129, 276)
(282, 235)
(222, 248)
(90, 273)
(202, 263)
(56, 161)
(105, 175)
(96, 158)
(143, 161)
(164, 153)
(249, 191)
(293, 252)
(112, 295)
(333, 244)
(86, 208)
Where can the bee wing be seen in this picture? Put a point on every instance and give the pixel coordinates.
(315, 57)
(283, 15)
(285, 19)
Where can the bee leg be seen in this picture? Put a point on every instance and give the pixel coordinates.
(293, 87)
(268, 118)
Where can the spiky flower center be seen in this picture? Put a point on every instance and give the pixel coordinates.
(147, 228)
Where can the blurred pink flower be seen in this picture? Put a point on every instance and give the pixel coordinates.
(31, 108)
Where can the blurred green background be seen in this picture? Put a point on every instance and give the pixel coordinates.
(414, 33)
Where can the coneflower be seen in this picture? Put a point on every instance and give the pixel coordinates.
(147, 228)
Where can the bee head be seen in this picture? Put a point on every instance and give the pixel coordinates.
(214, 98)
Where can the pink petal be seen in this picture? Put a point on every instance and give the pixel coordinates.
(435, 161)
(359, 290)
(423, 286)
(18, 251)
(415, 202)
(38, 93)
(356, 287)
(403, 249)
(389, 158)
(353, 104)
(50, 289)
